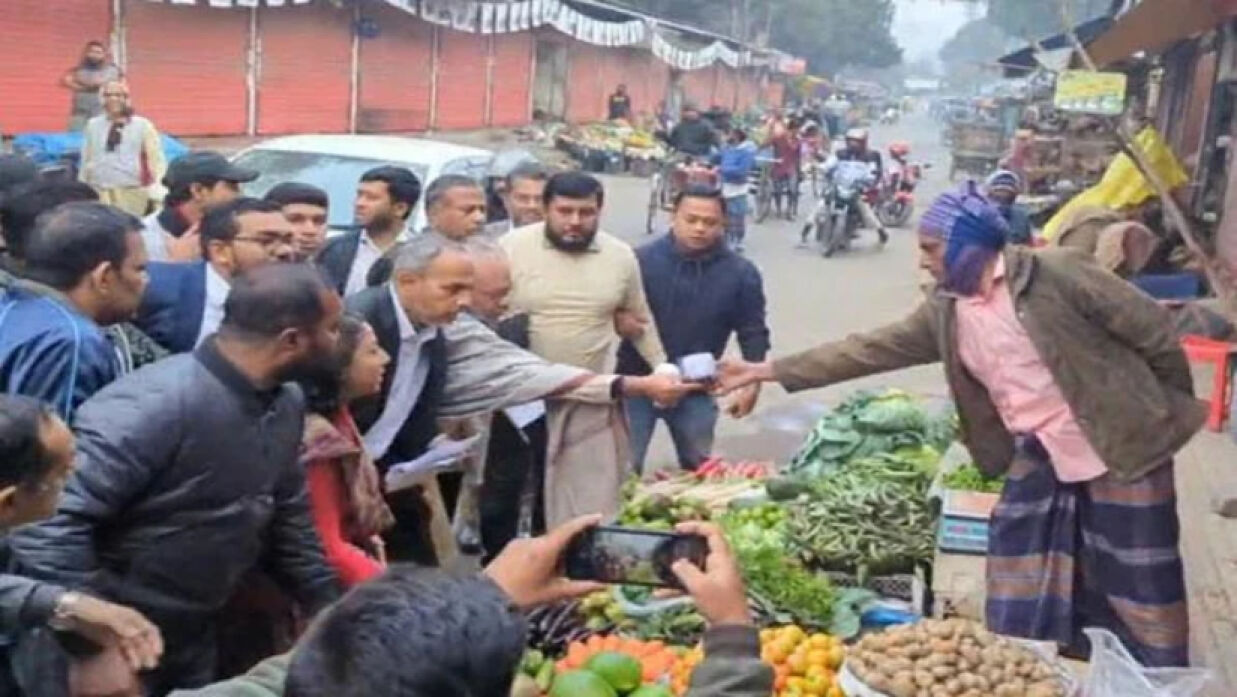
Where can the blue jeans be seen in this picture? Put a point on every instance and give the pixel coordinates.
(736, 220)
(691, 424)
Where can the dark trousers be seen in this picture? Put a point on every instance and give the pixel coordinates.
(513, 484)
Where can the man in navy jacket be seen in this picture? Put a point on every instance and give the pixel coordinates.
(83, 270)
(700, 293)
(184, 302)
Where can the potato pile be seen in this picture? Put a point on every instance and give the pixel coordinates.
(950, 658)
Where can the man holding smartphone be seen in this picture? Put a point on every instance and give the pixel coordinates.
(453, 635)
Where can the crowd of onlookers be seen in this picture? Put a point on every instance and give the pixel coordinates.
(235, 401)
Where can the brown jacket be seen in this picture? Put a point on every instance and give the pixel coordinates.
(1111, 349)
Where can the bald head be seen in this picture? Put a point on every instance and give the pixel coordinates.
(491, 279)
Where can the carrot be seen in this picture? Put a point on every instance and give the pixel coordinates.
(610, 643)
(634, 648)
(655, 645)
(594, 643)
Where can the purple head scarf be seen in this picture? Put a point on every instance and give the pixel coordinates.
(974, 232)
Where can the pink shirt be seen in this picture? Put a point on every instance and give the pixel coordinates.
(997, 350)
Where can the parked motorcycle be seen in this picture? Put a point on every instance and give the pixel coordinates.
(837, 219)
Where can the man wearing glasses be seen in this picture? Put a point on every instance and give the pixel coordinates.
(184, 302)
(122, 157)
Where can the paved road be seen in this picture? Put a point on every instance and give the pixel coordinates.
(812, 300)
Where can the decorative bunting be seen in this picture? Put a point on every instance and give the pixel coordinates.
(522, 15)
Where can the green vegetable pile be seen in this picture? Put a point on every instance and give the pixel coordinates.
(867, 424)
(872, 517)
(969, 478)
(782, 590)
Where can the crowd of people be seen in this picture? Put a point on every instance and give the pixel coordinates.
(211, 417)
(243, 389)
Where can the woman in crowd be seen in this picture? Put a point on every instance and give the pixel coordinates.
(344, 487)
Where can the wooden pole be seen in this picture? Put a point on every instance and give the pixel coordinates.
(1219, 277)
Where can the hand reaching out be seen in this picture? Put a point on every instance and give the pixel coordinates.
(734, 375)
(743, 401)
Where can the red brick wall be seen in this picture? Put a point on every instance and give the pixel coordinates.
(305, 75)
(394, 88)
(698, 87)
(43, 40)
(187, 66)
(461, 79)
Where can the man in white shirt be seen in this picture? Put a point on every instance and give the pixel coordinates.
(386, 198)
(183, 303)
(195, 182)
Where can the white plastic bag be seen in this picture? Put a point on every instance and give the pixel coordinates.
(1115, 673)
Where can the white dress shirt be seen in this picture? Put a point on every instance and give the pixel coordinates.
(411, 370)
(367, 254)
(217, 290)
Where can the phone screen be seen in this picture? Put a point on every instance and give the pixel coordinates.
(632, 556)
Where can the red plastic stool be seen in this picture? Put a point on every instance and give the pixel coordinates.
(1200, 349)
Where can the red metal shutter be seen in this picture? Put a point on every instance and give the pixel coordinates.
(698, 87)
(586, 96)
(726, 95)
(42, 40)
(305, 74)
(461, 80)
(187, 66)
(395, 80)
(513, 67)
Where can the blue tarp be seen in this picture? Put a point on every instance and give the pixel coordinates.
(48, 149)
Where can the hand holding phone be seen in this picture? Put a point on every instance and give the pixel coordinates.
(633, 556)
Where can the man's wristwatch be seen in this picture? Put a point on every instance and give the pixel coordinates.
(62, 619)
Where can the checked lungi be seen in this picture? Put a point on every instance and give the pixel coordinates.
(1093, 554)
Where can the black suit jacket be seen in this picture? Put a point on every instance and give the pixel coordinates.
(336, 259)
(378, 308)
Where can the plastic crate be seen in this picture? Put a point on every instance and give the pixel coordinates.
(910, 588)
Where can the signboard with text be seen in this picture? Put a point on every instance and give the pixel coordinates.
(1091, 92)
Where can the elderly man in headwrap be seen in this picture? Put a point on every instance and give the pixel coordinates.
(1003, 189)
(1071, 383)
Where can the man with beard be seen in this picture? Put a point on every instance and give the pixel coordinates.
(385, 198)
(184, 303)
(445, 365)
(85, 80)
(189, 476)
(577, 283)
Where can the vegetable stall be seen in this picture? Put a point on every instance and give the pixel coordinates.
(858, 508)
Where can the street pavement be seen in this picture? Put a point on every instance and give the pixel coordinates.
(812, 300)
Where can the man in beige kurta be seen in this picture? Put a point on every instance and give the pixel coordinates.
(577, 284)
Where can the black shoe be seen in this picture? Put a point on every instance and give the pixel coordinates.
(883, 234)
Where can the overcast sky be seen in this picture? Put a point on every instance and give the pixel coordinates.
(923, 26)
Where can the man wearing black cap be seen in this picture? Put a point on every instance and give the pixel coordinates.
(195, 182)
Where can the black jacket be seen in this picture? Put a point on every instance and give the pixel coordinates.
(693, 138)
(698, 302)
(336, 259)
(188, 479)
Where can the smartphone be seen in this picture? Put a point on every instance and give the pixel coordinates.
(632, 556)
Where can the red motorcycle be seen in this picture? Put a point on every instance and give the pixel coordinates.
(896, 200)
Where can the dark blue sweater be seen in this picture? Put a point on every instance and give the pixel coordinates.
(698, 302)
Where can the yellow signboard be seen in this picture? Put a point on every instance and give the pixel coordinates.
(1091, 92)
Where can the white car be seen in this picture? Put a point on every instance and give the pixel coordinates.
(335, 163)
